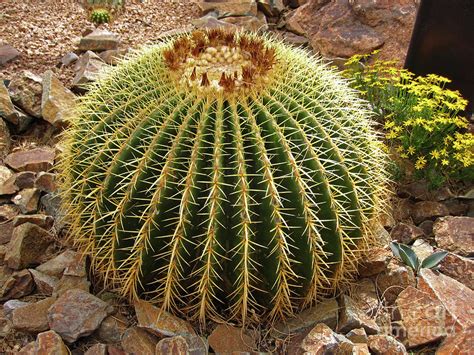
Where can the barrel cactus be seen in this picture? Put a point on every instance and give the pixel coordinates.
(99, 16)
(223, 175)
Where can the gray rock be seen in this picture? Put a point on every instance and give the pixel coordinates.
(353, 317)
(99, 40)
(69, 58)
(112, 328)
(7, 54)
(25, 92)
(76, 314)
(87, 69)
(11, 305)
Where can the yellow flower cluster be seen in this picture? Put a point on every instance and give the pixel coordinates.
(420, 116)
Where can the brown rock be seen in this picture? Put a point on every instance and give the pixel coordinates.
(386, 345)
(353, 317)
(427, 227)
(25, 179)
(8, 212)
(50, 343)
(41, 220)
(7, 110)
(67, 282)
(57, 102)
(28, 349)
(229, 8)
(32, 318)
(7, 181)
(76, 266)
(87, 69)
(423, 317)
(112, 350)
(325, 312)
(458, 268)
(364, 294)
(250, 23)
(424, 210)
(226, 339)
(319, 340)
(45, 284)
(97, 349)
(76, 314)
(27, 246)
(406, 233)
(7, 53)
(56, 266)
(292, 23)
(458, 344)
(394, 279)
(271, 8)
(15, 284)
(210, 21)
(5, 141)
(46, 182)
(69, 58)
(402, 209)
(37, 159)
(453, 295)
(99, 40)
(11, 305)
(376, 262)
(182, 344)
(112, 328)
(357, 335)
(160, 322)
(456, 207)
(138, 341)
(113, 56)
(455, 234)
(27, 200)
(25, 92)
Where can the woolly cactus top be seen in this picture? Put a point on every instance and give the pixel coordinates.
(223, 175)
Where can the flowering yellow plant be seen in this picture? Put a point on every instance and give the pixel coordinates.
(420, 117)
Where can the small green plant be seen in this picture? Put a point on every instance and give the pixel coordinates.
(99, 16)
(409, 258)
(420, 118)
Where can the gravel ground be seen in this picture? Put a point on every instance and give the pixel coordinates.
(43, 31)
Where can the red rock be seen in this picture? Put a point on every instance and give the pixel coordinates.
(7, 54)
(160, 322)
(37, 159)
(406, 233)
(32, 318)
(459, 343)
(15, 285)
(27, 246)
(453, 295)
(325, 312)
(50, 343)
(393, 280)
(455, 234)
(46, 182)
(424, 210)
(319, 340)
(181, 344)
(138, 341)
(41, 220)
(458, 268)
(76, 314)
(386, 345)
(423, 317)
(376, 262)
(352, 317)
(226, 339)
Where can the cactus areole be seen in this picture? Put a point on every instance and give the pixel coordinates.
(223, 175)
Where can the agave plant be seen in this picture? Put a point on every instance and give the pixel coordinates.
(223, 175)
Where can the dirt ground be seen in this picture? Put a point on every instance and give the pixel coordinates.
(44, 31)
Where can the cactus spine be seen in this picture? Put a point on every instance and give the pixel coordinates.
(223, 176)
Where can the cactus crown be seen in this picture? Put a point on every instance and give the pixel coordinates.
(223, 175)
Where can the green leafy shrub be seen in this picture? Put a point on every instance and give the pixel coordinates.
(99, 16)
(224, 175)
(420, 118)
